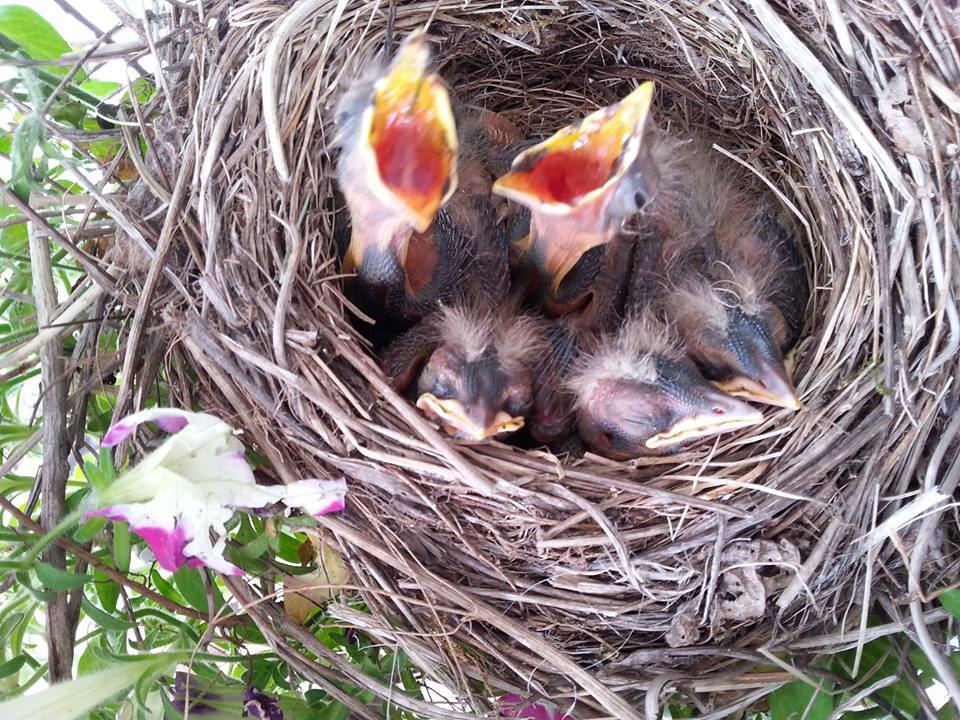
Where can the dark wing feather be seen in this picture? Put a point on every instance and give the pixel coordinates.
(405, 356)
(790, 290)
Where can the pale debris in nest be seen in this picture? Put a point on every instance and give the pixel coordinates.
(904, 130)
(684, 630)
(755, 570)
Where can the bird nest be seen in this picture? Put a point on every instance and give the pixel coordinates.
(594, 583)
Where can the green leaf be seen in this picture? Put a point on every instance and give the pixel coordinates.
(880, 660)
(93, 473)
(57, 579)
(250, 565)
(262, 671)
(190, 585)
(34, 35)
(121, 546)
(144, 89)
(13, 240)
(93, 658)
(76, 698)
(106, 462)
(12, 666)
(799, 701)
(15, 433)
(919, 659)
(336, 710)
(165, 588)
(295, 709)
(8, 625)
(289, 547)
(951, 602)
(100, 88)
(25, 140)
(23, 579)
(69, 113)
(108, 591)
(90, 529)
(105, 620)
(256, 547)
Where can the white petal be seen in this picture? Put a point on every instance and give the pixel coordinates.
(140, 484)
(209, 437)
(203, 467)
(203, 553)
(316, 497)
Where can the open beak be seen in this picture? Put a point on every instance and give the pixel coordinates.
(771, 386)
(714, 413)
(458, 422)
(409, 136)
(569, 180)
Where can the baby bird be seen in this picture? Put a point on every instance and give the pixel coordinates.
(552, 416)
(636, 393)
(397, 166)
(409, 148)
(734, 285)
(469, 363)
(580, 185)
(470, 368)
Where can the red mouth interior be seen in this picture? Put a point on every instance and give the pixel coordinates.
(412, 157)
(567, 175)
(576, 165)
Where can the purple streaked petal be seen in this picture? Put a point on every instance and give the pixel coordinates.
(167, 545)
(335, 505)
(117, 434)
(172, 423)
(110, 512)
(169, 419)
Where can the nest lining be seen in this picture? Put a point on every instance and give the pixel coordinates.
(580, 579)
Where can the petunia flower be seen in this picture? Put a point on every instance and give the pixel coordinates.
(257, 704)
(192, 484)
(519, 708)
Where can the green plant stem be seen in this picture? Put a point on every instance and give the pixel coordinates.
(68, 521)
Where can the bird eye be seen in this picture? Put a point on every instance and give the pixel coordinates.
(516, 404)
(640, 199)
(443, 388)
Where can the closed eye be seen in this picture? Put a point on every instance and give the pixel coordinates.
(444, 389)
